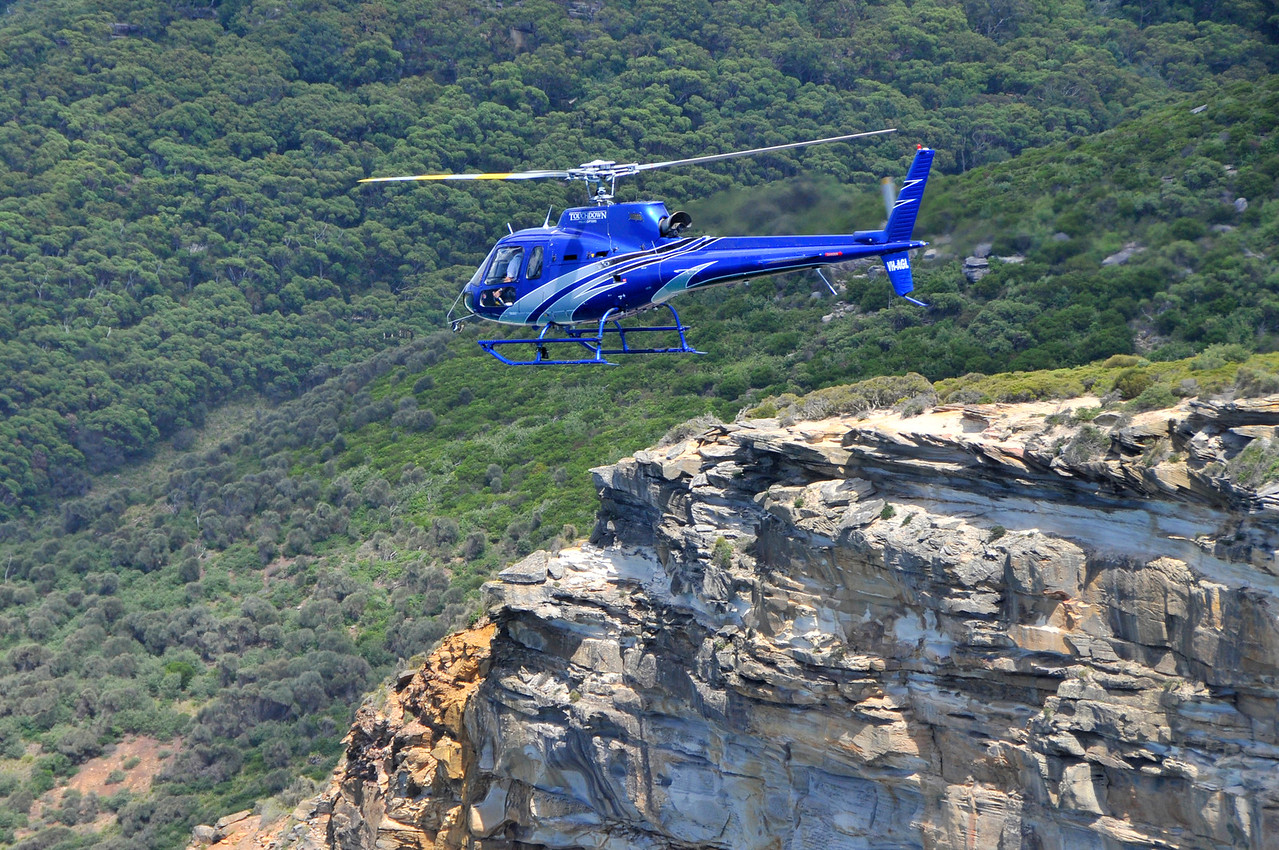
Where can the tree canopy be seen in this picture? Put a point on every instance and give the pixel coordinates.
(179, 220)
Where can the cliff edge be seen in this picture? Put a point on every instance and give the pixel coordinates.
(994, 626)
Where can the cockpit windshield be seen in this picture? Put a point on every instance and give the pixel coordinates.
(506, 265)
(479, 271)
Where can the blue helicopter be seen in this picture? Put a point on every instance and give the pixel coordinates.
(603, 264)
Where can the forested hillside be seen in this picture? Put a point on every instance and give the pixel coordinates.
(243, 471)
(179, 220)
(1152, 238)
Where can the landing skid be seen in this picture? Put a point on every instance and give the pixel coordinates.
(593, 339)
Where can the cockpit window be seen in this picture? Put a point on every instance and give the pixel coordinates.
(479, 271)
(506, 265)
(534, 270)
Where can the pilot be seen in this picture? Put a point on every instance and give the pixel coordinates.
(513, 267)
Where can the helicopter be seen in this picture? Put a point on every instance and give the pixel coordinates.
(600, 265)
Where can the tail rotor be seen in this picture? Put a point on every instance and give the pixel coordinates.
(889, 190)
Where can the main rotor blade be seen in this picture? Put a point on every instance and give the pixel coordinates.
(598, 171)
(752, 151)
(508, 175)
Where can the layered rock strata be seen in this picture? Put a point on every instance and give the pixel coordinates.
(958, 630)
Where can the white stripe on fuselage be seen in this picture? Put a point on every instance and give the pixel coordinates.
(573, 289)
(679, 283)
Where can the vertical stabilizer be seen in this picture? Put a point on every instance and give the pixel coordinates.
(898, 267)
(901, 221)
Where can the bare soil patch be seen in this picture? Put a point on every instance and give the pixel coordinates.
(137, 760)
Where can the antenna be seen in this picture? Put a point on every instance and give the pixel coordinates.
(547, 224)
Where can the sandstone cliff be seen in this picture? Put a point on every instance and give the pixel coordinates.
(982, 627)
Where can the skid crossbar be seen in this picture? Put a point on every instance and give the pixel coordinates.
(592, 339)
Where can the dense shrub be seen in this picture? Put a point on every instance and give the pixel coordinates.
(1087, 444)
(873, 393)
(1256, 465)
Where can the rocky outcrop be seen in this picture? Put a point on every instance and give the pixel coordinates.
(983, 627)
(412, 761)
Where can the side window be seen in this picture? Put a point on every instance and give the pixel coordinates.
(534, 270)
